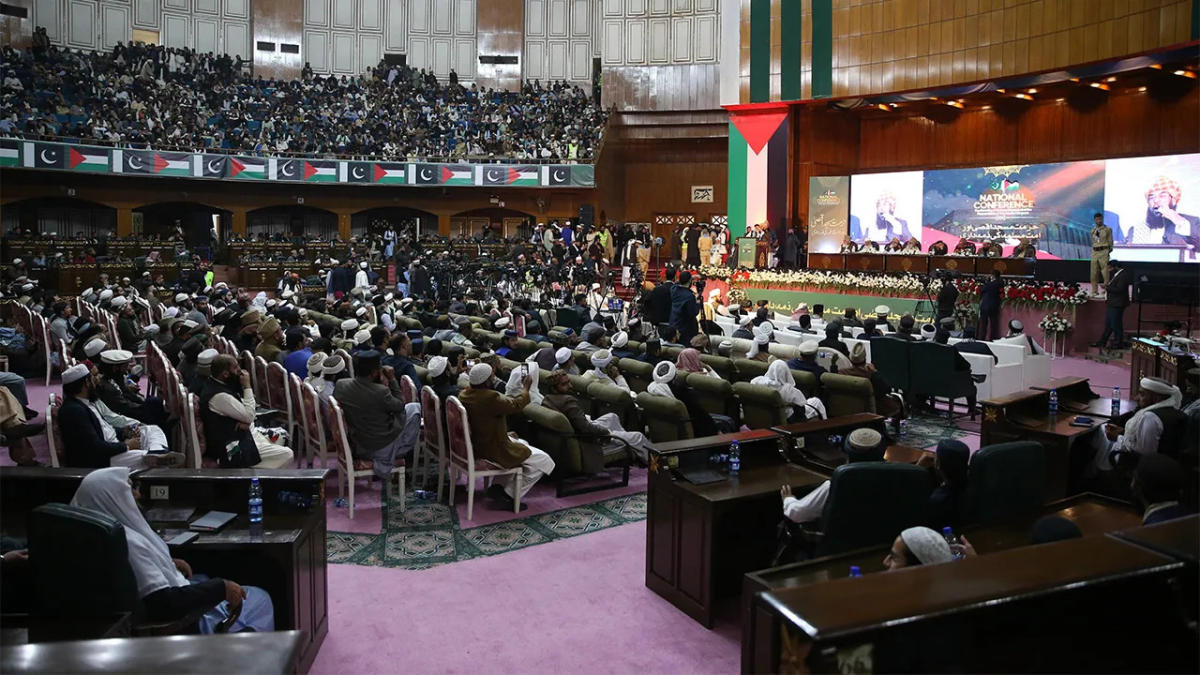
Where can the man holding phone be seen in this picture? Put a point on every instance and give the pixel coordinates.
(382, 427)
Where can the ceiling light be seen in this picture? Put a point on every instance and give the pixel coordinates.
(1024, 97)
(1111, 79)
(1099, 85)
(1031, 91)
(1141, 89)
(955, 104)
(1186, 73)
(883, 107)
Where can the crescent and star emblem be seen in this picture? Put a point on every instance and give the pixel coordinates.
(286, 169)
(52, 159)
(356, 172)
(426, 176)
(135, 162)
(494, 176)
(214, 166)
(559, 176)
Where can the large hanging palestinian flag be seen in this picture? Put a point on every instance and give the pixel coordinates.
(758, 166)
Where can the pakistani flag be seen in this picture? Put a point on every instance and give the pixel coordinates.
(82, 158)
(10, 152)
(358, 172)
(173, 164)
(288, 169)
(318, 171)
(389, 173)
(47, 155)
(134, 161)
(249, 168)
(457, 175)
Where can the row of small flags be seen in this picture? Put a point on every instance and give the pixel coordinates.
(39, 155)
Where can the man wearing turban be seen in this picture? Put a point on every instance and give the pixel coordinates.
(1164, 224)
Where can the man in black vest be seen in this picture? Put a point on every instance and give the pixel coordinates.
(229, 434)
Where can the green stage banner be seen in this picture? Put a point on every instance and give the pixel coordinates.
(828, 212)
(18, 153)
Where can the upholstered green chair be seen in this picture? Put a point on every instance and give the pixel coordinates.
(762, 407)
(721, 364)
(807, 382)
(506, 366)
(891, 358)
(1005, 482)
(557, 337)
(583, 360)
(715, 395)
(609, 398)
(579, 384)
(423, 373)
(870, 503)
(523, 349)
(575, 454)
(666, 418)
(933, 373)
(635, 347)
(638, 374)
(471, 352)
(671, 353)
(747, 369)
(408, 323)
(846, 395)
(485, 338)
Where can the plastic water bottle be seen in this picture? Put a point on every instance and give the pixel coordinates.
(256, 509)
(1053, 401)
(1116, 402)
(956, 547)
(735, 458)
(855, 571)
(903, 428)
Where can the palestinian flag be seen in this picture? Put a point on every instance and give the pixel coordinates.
(82, 158)
(318, 171)
(389, 173)
(172, 164)
(248, 168)
(10, 152)
(456, 175)
(758, 165)
(507, 175)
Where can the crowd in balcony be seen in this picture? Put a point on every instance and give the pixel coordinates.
(149, 96)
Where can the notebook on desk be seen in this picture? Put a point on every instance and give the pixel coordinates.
(169, 514)
(702, 476)
(212, 521)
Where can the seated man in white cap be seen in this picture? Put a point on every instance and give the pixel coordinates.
(620, 342)
(315, 377)
(383, 429)
(881, 319)
(918, 546)
(229, 433)
(487, 413)
(604, 370)
(129, 330)
(559, 396)
(1141, 433)
(95, 439)
(123, 396)
(861, 445)
(1016, 336)
(333, 369)
(565, 360)
(203, 370)
(806, 359)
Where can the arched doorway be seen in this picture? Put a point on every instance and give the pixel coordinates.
(504, 222)
(409, 223)
(197, 221)
(60, 217)
(285, 223)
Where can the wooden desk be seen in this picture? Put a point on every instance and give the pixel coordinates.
(827, 261)
(955, 263)
(288, 561)
(264, 653)
(1011, 267)
(1178, 538)
(1092, 514)
(817, 444)
(1150, 358)
(866, 262)
(1075, 397)
(914, 264)
(700, 539)
(1019, 610)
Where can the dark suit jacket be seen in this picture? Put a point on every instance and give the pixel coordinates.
(658, 303)
(374, 413)
(1118, 289)
(989, 295)
(834, 343)
(82, 437)
(568, 405)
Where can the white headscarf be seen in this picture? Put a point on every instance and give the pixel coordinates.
(1174, 398)
(109, 492)
(513, 387)
(780, 378)
(664, 373)
(762, 338)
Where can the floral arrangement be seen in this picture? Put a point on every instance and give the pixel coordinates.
(1028, 293)
(1054, 323)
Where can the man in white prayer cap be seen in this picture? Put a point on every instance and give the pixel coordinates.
(604, 370)
(918, 546)
(361, 278)
(620, 342)
(861, 445)
(1142, 433)
(487, 413)
(94, 437)
(1016, 336)
(565, 359)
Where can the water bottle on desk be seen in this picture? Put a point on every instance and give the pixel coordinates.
(1116, 402)
(1053, 402)
(903, 428)
(855, 571)
(956, 546)
(735, 458)
(256, 509)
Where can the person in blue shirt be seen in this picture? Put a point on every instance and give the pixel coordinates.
(296, 361)
(807, 359)
(567, 234)
(507, 343)
(401, 358)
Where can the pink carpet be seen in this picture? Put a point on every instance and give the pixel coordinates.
(571, 606)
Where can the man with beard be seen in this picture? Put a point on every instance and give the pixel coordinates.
(229, 433)
(90, 440)
(1164, 224)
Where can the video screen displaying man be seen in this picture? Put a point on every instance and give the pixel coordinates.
(886, 207)
(1164, 224)
(1151, 205)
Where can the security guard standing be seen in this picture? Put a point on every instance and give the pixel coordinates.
(1102, 245)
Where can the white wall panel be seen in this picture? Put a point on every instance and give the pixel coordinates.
(316, 50)
(343, 14)
(316, 13)
(46, 13)
(237, 40)
(597, 23)
(206, 35)
(681, 40)
(81, 24)
(145, 14)
(614, 42)
(557, 63)
(464, 58)
(535, 60)
(370, 50)
(418, 53)
(581, 19)
(464, 17)
(370, 15)
(443, 13)
(418, 16)
(706, 5)
(614, 8)
(395, 39)
(659, 40)
(581, 61)
(535, 18)
(342, 56)
(635, 7)
(558, 18)
(442, 48)
(660, 7)
(208, 6)
(635, 41)
(114, 25)
(707, 38)
(681, 6)
(177, 4)
(237, 8)
(175, 30)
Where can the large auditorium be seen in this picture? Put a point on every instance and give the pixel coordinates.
(669, 336)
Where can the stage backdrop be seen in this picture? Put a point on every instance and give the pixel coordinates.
(1152, 204)
(828, 212)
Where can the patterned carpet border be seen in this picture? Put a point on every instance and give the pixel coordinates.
(428, 534)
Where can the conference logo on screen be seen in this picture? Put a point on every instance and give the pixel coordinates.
(1005, 198)
(829, 198)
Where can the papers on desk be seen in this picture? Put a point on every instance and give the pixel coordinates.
(212, 521)
(167, 514)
